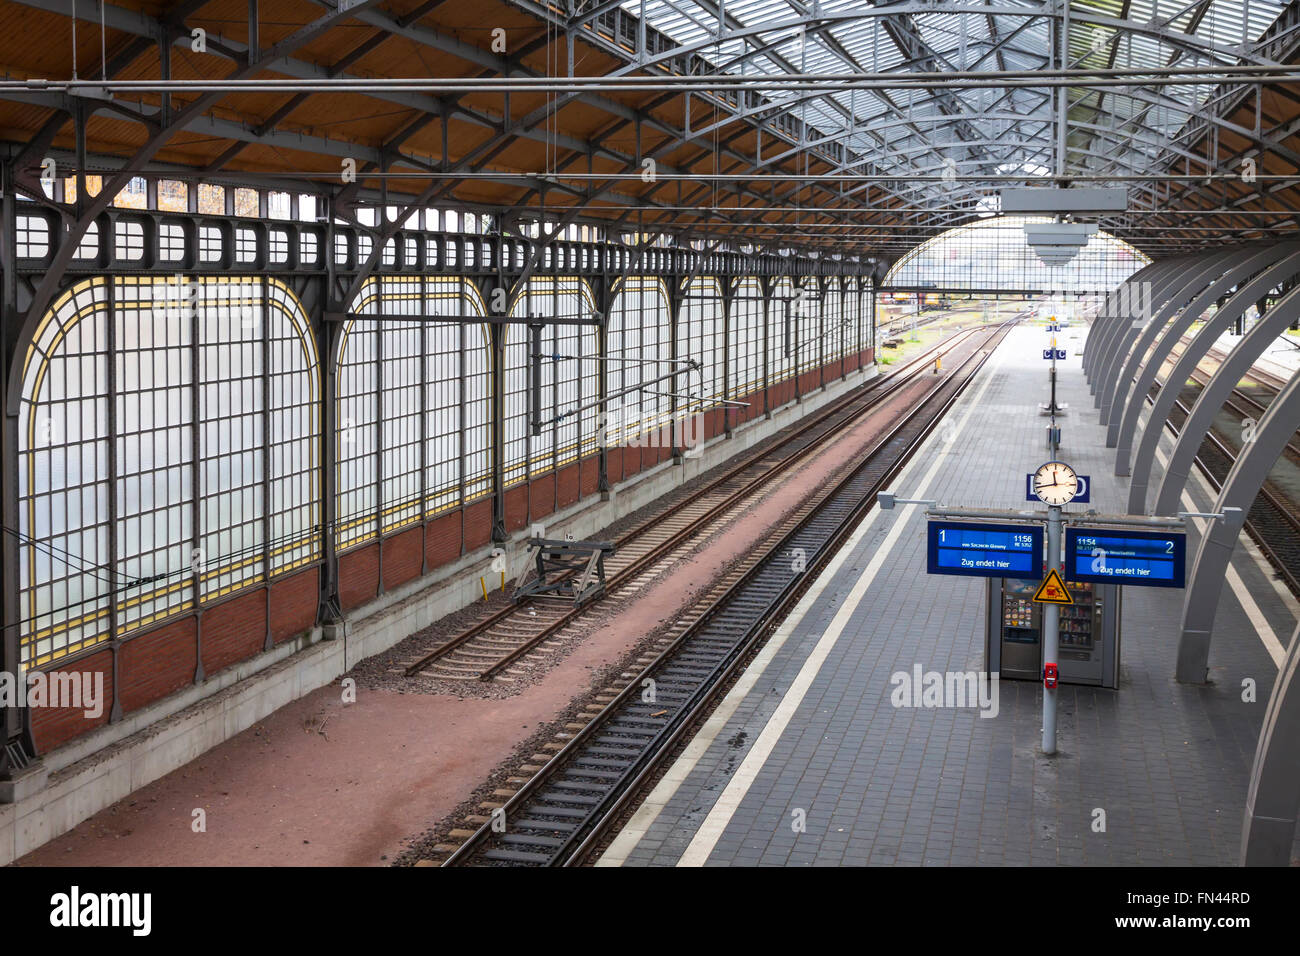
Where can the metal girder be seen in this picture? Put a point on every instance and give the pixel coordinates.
(1180, 42)
(1273, 796)
(1199, 274)
(1219, 388)
(1223, 319)
(76, 228)
(1169, 293)
(129, 20)
(140, 24)
(431, 38)
(1105, 317)
(1198, 46)
(1118, 317)
(637, 63)
(1157, 342)
(1208, 571)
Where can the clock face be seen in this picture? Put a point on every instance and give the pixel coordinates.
(1055, 483)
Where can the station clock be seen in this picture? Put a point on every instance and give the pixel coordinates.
(1056, 483)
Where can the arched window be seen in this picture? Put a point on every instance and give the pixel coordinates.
(699, 337)
(746, 340)
(566, 384)
(161, 460)
(992, 255)
(412, 433)
(639, 348)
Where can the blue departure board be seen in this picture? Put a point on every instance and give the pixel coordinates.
(1155, 559)
(985, 550)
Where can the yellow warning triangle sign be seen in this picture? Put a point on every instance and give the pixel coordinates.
(1053, 590)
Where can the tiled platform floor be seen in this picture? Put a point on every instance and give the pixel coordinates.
(876, 784)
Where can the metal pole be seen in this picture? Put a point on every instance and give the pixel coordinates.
(1051, 630)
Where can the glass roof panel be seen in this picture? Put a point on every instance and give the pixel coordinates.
(996, 130)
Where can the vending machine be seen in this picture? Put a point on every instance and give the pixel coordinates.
(1088, 633)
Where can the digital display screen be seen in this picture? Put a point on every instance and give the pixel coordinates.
(1147, 558)
(984, 550)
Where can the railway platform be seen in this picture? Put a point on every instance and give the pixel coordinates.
(807, 761)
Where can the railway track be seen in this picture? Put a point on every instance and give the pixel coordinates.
(596, 769)
(500, 641)
(1243, 403)
(1271, 522)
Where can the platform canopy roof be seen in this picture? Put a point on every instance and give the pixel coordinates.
(856, 127)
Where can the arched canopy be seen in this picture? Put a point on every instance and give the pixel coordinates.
(992, 255)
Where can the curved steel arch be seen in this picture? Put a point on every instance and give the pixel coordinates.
(1247, 475)
(1105, 318)
(1151, 295)
(1182, 289)
(1199, 420)
(1232, 310)
(974, 226)
(1219, 278)
(1258, 262)
(1273, 797)
(1115, 315)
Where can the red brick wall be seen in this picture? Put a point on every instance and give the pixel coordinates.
(590, 468)
(293, 604)
(55, 725)
(569, 483)
(403, 557)
(156, 664)
(713, 423)
(631, 458)
(754, 410)
(359, 576)
(478, 524)
(781, 393)
(516, 507)
(234, 630)
(541, 496)
(442, 542)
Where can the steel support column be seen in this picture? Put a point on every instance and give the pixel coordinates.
(604, 301)
(1223, 319)
(1104, 323)
(1172, 294)
(1201, 417)
(1210, 567)
(1176, 308)
(1132, 401)
(728, 297)
(17, 746)
(328, 334)
(1273, 798)
(1119, 316)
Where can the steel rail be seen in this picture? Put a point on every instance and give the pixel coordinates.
(893, 380)
(634, 786)
(1285, 510)
(895, 383)
(617, 793)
